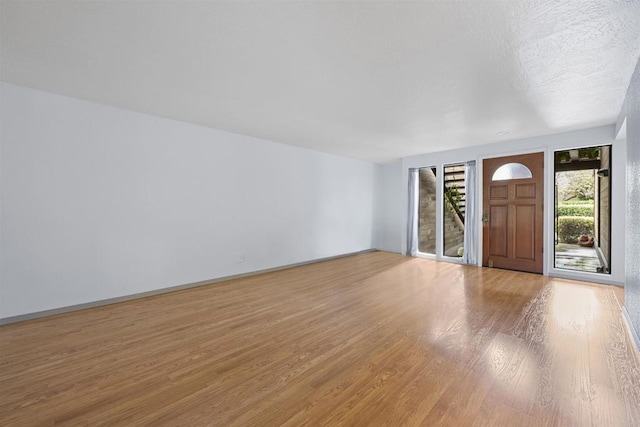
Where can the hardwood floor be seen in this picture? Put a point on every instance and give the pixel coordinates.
(374, 339)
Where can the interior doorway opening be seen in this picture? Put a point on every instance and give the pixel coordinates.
(583, 209)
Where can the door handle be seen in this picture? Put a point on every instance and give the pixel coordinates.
(485, 218)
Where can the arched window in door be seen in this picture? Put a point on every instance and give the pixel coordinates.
(511, 171)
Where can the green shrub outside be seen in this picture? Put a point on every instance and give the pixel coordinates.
(575, 210)
(577, 202)
(570, 228)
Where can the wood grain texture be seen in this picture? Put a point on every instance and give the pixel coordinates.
(373, 339)
(513, 236)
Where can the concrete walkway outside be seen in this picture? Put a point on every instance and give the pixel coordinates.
(576, 257)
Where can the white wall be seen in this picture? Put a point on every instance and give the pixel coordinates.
(389, 207)
(631, 115)
(99, 202)
(547, 144)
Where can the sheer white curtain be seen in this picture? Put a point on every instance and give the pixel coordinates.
(470, 254)
(412, 224)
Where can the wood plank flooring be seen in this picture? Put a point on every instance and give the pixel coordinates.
(374, 339)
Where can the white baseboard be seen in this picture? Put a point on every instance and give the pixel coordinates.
(84, 306)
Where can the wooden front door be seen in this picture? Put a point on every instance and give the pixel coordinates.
(513, 212)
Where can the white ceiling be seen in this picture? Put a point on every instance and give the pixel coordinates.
(370, 80)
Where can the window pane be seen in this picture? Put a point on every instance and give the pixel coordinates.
(427, 211)
(454, 210)
(583, 209)
(511, 171)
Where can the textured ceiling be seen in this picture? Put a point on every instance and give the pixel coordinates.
(370, 80)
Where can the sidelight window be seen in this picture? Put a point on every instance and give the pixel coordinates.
(455, 201)
(427, 211)
(583, 209)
